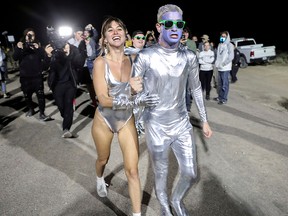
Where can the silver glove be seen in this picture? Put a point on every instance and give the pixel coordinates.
(144, 99)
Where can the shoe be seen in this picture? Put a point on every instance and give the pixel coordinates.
(207, 97)
(5, 96)
(30, 113)
(67, 134)
(166, 210)
(74, 104)
(101, 189)
(43, 117)
(222, 102)
(216, 99)
(179, 208)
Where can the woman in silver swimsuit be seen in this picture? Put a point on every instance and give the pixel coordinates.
(111, 73)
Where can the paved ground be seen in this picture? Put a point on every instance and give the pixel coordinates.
(242, 168)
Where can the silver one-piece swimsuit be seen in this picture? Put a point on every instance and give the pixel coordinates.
(115, 119)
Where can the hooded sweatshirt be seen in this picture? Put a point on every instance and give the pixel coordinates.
(225, 55)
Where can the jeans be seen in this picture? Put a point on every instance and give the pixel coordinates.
(90, 63)
(223, 85)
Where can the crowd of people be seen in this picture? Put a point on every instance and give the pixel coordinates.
(138, 84)
(3, 72)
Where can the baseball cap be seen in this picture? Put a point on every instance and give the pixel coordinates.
(205, 37)
(78, 28)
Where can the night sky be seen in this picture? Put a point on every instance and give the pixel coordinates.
(267, 23)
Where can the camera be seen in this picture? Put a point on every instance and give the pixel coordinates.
(183, 36)
(58, 38)
(30, 37)
(29, 43)
(84, 37)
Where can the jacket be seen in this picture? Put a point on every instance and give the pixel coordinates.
(225, 55)
(64, 68)
(30, 61)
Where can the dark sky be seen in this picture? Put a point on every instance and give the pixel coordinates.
(267, 23)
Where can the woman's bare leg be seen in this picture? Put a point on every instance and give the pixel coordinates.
(102, 137)
(129, 144)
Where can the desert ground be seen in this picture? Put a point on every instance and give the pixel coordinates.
(242, 167)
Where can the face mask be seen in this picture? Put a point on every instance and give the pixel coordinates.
(222, 39)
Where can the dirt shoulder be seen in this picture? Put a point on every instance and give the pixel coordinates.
(264, 84)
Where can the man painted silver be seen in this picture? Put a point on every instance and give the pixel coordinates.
(164, 69)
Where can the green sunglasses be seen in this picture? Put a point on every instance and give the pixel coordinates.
(139, 38)
(169, 23)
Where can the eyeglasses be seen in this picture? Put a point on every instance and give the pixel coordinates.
(140, 38)
(169, 23)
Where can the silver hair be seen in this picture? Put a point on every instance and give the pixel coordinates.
(168, 8)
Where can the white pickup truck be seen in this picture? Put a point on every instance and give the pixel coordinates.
(252, 52)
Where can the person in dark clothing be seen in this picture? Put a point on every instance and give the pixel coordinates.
(85, 78)
(63, 79)
(191, 45)
(235, 64)
(30, 55)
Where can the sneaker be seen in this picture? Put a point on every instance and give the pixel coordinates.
(67, 134)
(5, 95)
(222, 102)
(166, 210)
(74, 104)
(43, 117)
(30, 113)
(101, 189)
(216, 99)
(207, 97)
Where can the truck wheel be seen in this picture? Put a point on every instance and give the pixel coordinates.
(243, 62)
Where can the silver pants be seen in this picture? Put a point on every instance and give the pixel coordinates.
(183, 147)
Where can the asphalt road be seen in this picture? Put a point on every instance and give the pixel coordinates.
(242, 168)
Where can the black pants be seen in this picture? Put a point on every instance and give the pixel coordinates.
(233, 73)
(86, 78)
(205, 79)
(63, 94)
(30, 85)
